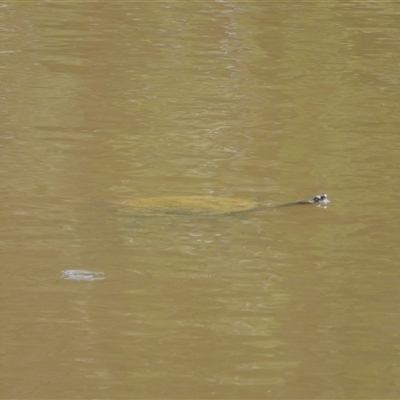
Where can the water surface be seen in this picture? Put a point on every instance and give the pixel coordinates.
(275, 101)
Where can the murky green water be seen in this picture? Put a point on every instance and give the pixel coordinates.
(277, 101)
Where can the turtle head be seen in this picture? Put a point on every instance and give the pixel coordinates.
(321, 198)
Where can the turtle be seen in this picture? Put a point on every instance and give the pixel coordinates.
(201, 205)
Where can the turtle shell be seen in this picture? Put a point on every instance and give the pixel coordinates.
(186, 205)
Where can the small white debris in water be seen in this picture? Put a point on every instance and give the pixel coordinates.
(82, 275)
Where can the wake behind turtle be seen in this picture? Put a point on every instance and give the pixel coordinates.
(202, 205)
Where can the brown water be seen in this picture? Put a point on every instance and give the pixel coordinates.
(275, 101)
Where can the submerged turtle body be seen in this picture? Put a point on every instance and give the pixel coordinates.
(200, 205)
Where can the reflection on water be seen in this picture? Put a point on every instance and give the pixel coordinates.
(273, 101)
